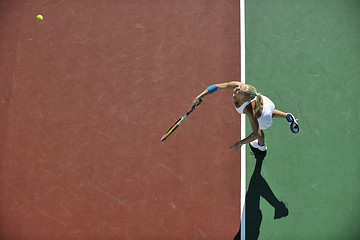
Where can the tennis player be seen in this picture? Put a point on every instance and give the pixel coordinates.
(258, 108)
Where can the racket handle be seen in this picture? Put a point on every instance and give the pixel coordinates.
(200, 101)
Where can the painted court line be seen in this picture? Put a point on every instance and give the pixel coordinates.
(243, 121)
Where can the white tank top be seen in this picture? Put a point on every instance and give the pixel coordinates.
(265, 120)
(243, 106)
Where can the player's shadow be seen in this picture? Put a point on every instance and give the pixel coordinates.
(259, 187)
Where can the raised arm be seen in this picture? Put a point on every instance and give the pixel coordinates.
(227, 85)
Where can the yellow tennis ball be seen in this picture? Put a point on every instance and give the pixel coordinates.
(39, 17)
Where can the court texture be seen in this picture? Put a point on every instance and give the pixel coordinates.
(87, 93)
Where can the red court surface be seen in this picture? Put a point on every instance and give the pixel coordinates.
(86, 95)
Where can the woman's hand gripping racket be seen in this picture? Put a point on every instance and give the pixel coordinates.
(178, 122)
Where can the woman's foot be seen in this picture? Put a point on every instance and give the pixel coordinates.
(281, 211)
(294, 126)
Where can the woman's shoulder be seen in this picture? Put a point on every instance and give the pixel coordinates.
(250, 108)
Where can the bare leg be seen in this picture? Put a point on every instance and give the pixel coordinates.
(294, 126)
(278, 114)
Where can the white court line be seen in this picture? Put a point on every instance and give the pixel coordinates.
(243, 120)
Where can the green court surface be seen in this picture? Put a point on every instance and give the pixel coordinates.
(305, 56)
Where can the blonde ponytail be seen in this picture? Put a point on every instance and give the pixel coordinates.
(251, 93)
(258, 102)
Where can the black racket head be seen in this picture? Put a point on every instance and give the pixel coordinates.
(175, 126)
(171, 130)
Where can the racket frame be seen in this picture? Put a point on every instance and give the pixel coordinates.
(178, 122)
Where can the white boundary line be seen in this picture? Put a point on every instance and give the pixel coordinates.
(243, 120)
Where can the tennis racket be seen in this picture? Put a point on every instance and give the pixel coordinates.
(178, 122)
